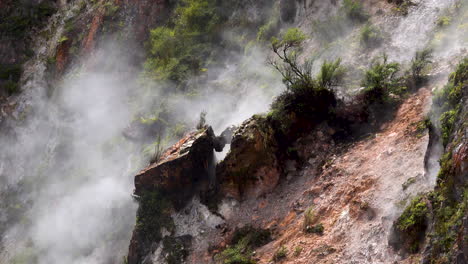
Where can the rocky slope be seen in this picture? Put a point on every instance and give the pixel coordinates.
(341, 170)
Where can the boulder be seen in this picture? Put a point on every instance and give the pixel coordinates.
(184, 168)
(251, 168)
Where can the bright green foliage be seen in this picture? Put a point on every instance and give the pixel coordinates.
(414, 215)
(380, 80)
(412, 223)
(245, 240)
(292, 38)
(370, 36)
(180, 51)
(448, 99)
(355, 11)
(331, 74)
(444, 21)
(238, 254)
(419, 64)
(280, 254)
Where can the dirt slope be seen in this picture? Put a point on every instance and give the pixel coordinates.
(356, 197)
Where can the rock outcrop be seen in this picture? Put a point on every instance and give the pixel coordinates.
(182, 169)
(251, 168)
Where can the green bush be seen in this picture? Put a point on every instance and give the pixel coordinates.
(316, 229)
(355, 11)
(370, 36)
(280, 254)
(244, 241)
(380, 80)
(413, 222)
(309, 219)
(419, 64)
(448, 99)
(181, 50)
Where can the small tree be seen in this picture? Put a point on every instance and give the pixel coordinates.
(418, 65)
(287, 49)
(380, 79)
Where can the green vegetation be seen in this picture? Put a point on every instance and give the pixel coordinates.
(297, 251)
(355, 11)
(11, 75)
(306, 96)
(444, 21)
(180, 50)
(153, 214)
(370, 36)
(450, 199)
(280, 254)
(309, 219)
(24, 16)
(412, 223)
(315, 229)
(244, 241)
(419, 65)
(402, 6)
(448, 99)
(381, 80)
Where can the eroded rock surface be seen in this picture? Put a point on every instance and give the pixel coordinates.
(251, 168)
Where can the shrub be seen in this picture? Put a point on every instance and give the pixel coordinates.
(309, 218)
(444, 21)
(448, 99)
(419, 64)
(280, 254)
(316, 229)
(331, 74)
(297, 251)
(370, 36)
(412, 222)
(244, 241)
(179, 51)
(380, 80)
(238, 254)
(355, 11)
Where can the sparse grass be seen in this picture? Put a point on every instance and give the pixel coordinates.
(309, 218)
(297, 251)
(280, 254)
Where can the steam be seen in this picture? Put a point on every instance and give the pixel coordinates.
(73, 169)
(76, 167)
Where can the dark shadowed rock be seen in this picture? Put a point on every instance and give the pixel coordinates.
(251, 168)
(182, 169)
